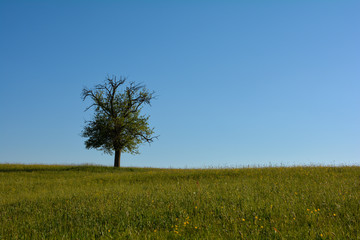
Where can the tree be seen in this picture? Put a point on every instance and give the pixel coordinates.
(117, 124)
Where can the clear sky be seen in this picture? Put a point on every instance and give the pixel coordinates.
(238, 82)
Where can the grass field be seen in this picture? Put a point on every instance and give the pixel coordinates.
(90, 202)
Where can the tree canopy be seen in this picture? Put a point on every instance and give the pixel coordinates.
(117, 124)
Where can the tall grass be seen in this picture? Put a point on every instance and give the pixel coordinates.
(88, 202)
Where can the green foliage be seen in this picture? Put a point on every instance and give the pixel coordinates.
(117, 123)
(90, 202)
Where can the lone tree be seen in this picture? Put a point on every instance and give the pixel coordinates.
(117, 124)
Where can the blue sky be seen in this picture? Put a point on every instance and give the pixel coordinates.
(238, 82)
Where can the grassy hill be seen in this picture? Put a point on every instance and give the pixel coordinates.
(90, 202)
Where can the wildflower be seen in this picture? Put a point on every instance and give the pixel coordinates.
(155, 230)
(243, 219)
(321, 235)
(334, 215)
(195, 227)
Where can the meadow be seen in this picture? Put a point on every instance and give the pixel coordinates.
(94, 202)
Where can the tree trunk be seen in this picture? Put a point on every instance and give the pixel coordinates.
(117, 158)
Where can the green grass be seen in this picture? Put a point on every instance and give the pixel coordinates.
(90, 202)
